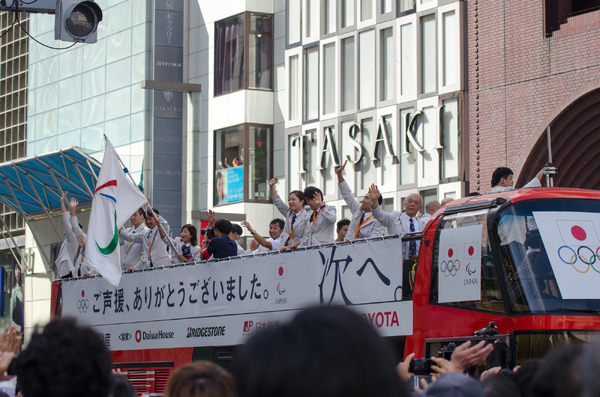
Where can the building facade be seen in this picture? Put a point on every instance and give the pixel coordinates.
(14, 46)
(293, 89)
(533, 65)
(289, 89)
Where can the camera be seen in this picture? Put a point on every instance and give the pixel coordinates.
(420, 366)
(209, 232)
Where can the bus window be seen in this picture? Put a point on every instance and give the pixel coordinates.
(462, 260)
(533, 286)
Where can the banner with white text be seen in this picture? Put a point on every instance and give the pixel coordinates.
(249, 289)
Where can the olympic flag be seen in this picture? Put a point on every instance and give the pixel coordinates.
(115, 199)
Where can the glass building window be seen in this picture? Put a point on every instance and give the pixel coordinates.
(450, 48)
(259, 160)
(366, 10)
(329, 77)
(329, 10)
(406, 5)
(368, 172)
(294, 8)
(260, 52)
(386, 88)
(293, 87)
(347, 80)
(311, 83)
(450, 164)
(250, 34)
(428, 59)
(386, 6)
(348, 13)
(243, 163)
(408, 153)
(312, 19)
(407, 71)
(366, 65)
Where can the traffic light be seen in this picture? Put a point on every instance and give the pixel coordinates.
(77, 21)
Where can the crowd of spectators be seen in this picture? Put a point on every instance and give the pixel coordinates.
(322, 352)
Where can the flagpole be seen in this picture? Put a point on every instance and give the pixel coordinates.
(126, 170)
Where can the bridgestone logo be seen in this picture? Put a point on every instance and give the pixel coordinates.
(203, 332)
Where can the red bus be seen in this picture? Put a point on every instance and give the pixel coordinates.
(526, 260)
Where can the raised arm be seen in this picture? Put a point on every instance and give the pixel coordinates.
(272, 184)
(385, 218)
(279, 204)
(257, 236)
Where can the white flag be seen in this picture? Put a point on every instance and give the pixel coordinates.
(116, 197)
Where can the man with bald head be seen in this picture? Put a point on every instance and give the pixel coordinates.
(401, 223)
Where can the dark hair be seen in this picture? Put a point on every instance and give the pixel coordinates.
(64, 360)
(193, 231)
(219, 176)
(499, 173)
(323, 352)
(155, 211)
(200, 379)
(590, 363)
(559, 374)
(499, 385)
(142, 212)
(223, 225)
(277, 220)
(235, 228)
(524, 375)
(299, 194)
(310, 192)
(120, 386)
(341, 223)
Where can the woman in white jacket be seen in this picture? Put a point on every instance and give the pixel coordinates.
(186, 245)
(296, 217)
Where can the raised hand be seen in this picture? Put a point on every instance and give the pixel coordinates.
(374, 193)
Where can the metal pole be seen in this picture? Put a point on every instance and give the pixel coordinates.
(5, 226)
(549, 181)
(169, 242)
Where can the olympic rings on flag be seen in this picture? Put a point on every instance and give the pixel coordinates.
(450, 267)
(83, 305)
(575, 257)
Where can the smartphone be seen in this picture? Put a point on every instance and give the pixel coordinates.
(420, 366)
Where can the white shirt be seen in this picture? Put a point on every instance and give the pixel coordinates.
(535, 182)
(131, 252)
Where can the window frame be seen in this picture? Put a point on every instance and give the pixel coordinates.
(246, 51)
(245, 127)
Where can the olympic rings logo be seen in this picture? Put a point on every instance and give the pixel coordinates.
(450, 267)
(580, 256)
(83, 305)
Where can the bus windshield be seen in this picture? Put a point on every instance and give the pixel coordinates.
(550, 253)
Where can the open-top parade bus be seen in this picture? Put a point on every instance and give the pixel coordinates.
(526, 260)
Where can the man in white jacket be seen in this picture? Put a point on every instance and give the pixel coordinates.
(131, 252)
(362, 224)
(69, 262)
(154, 249)
(401, 223)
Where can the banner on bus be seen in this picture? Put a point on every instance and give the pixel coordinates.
(363, 273)
(389, 319)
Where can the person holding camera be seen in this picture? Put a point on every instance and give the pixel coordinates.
(221, 246)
